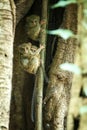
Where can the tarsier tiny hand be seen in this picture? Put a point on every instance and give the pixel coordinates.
(30, 57)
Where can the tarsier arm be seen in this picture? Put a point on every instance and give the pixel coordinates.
(39, 50)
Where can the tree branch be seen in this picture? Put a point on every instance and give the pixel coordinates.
(40, 74)
(58, 90)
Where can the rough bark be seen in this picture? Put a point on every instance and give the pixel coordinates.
(7, 27)
(58, 91)
(22, 7)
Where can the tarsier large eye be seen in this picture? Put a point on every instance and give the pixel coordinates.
(26, 48)
(35, 21)
(32, 21)
(33, 50)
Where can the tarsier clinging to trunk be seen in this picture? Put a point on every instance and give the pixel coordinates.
(33, 27)
(30, 57)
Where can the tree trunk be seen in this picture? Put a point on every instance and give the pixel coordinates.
(58, 91)
(7, 27)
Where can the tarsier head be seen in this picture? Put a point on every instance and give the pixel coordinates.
(33, 20)
(24, 48)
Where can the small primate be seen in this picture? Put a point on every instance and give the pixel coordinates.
(30, 57)
(33, 27)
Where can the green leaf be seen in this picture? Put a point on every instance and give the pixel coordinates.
(71, 67)
(64, 33)
(63, 3)
(83, 109)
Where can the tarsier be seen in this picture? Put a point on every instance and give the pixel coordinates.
(30, 57)
(33, 27)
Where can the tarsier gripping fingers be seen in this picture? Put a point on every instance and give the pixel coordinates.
(30, 57)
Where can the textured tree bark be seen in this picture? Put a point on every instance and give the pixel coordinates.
(17, 117)
(58, 91)
(7, 27)
(22, 7)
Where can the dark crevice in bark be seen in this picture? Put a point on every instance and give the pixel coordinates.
(82, 93)
(22, 7)
(54, 22)
(76, 123)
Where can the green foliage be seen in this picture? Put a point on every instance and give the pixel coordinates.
(63, 3)
(64, 33)
(71, 67)
(83, 109)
